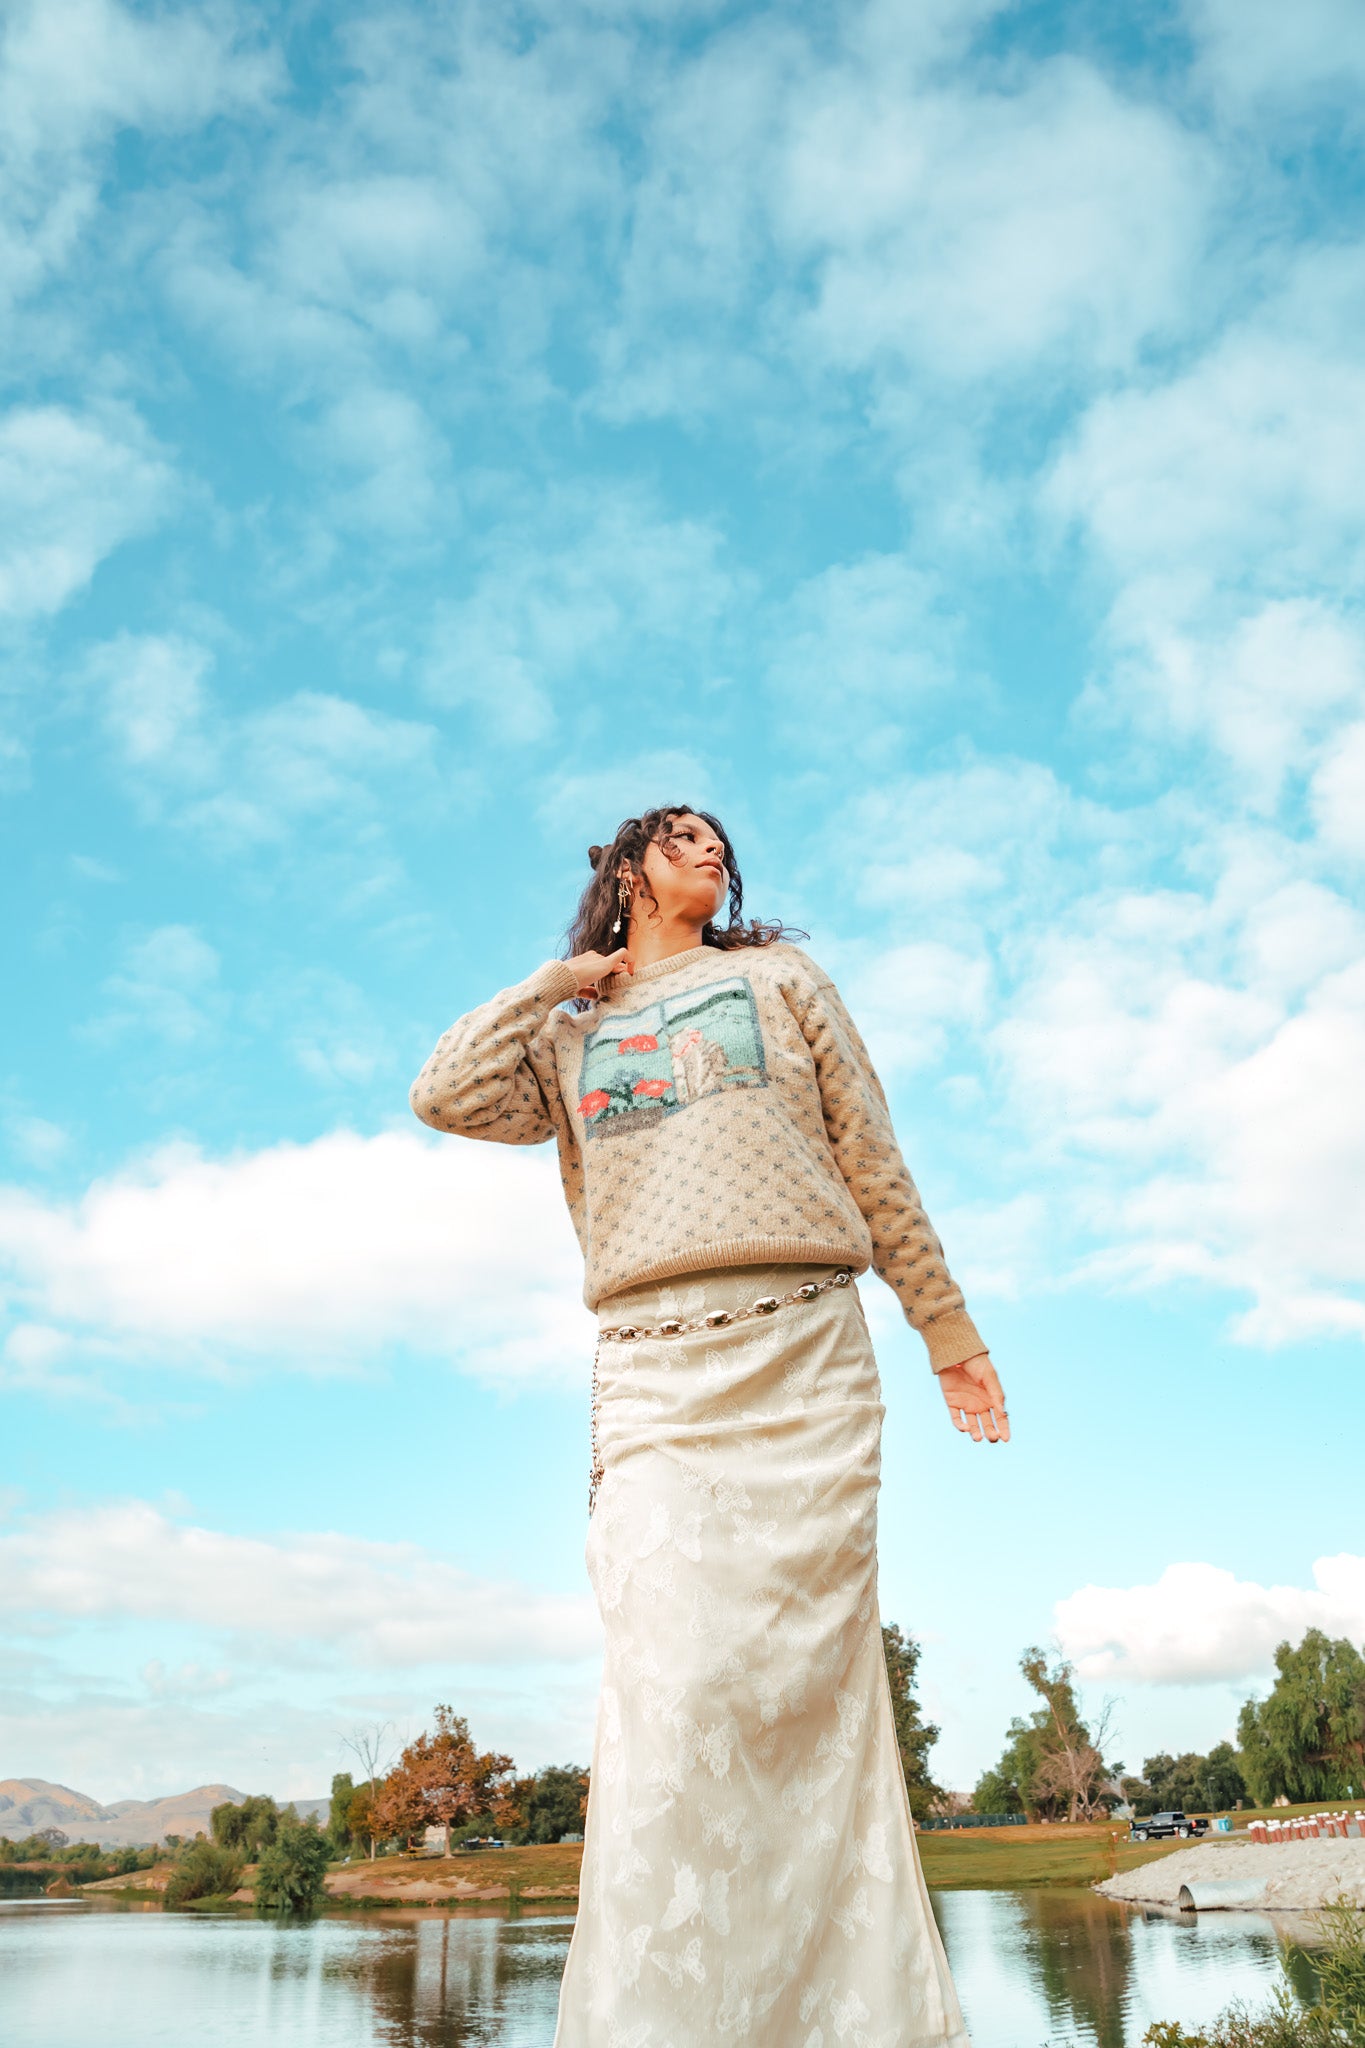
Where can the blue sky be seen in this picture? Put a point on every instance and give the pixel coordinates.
(930, 436)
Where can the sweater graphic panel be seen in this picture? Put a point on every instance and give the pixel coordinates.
(648, 1064)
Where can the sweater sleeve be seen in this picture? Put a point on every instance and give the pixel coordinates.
(489, 1074)
(906, 1251)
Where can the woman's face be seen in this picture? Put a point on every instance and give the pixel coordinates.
(687, 871)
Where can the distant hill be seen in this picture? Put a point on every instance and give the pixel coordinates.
(30, 1804)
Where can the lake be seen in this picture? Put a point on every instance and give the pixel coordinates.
(1033, 1967)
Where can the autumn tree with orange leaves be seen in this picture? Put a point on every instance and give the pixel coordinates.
(440, 1780)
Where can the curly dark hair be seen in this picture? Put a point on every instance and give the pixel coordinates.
(591, 928)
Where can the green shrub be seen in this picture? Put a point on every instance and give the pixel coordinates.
(203, 1870)
(291, 1873)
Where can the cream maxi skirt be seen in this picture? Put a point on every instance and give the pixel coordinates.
(749, 1869)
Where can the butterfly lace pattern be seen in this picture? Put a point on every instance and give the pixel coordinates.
(750, 1872)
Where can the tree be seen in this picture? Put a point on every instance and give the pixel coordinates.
(372, 1748)
(1190, 1783)
(292, 1872)
(997, 1791)
(248, 1827)
(339, 1831)
(203, 1870)
(914, 1737)
(360, 1816)
(1175, 1783)
(1053, 1765)
(551, 1803)
(1307, 1740)
(1223, 1783)
(439, 1781)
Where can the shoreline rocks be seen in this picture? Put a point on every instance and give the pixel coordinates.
(1293, 1878)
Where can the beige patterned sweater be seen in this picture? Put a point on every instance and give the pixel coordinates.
(715, 1109)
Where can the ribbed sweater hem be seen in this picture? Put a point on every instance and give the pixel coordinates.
(951, 1337)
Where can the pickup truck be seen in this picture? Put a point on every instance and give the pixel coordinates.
(1158, 1825)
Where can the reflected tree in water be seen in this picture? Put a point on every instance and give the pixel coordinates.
(461, 1982)
(1079, 1954)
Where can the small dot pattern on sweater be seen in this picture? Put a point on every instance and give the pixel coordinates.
(716, 1109)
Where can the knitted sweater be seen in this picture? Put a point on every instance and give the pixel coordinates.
(714, 1109)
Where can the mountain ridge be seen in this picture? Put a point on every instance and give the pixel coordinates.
(28, 1805)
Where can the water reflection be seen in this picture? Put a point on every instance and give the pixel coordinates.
(1079, 1952)
(1034, 1968)
(455, 1983)
(1072, 1970)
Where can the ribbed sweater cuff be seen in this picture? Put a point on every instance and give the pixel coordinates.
(951, 1339)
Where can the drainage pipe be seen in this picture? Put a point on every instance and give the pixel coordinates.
(1207, 1895)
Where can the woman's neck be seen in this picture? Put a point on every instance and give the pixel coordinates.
(649, 940)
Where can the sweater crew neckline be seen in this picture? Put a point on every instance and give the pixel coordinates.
(619, 984)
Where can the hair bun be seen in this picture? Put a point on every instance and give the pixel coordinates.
(594, 855)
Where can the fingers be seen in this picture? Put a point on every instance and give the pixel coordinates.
(989, 1424)
(966, 1420)
(979, 1415)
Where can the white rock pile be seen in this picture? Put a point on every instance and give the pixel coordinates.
(1298, 1875)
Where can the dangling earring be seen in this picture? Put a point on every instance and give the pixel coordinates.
(623, 896)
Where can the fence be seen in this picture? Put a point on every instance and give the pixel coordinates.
(973, 1820)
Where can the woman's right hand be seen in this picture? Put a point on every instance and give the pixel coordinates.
(594, 967)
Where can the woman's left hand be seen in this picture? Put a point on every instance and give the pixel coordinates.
(976, 1399)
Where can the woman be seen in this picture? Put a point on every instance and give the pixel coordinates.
(749, 1868)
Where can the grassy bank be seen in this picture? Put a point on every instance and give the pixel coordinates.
(542, 1878)
(975, 1859)
(989, 1859)
(538, 1876)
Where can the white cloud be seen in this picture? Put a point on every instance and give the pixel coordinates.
(1338, 793)
(868, 636)
(76, 69)
(73, 73)
(73, 487)
(1226, 506)
(1258, 53)
(383, 1605)
(1264, 690)
(165, 985)
(912, 1001)
(251, 778)
(605, 587)
(36, 1140)
(446, 190)
(976, 232)
(310, 1256)
(1187, 1056)
(155, 699)
(391, 460)
(1249, 461)
(854, 205)
(1199, 1623)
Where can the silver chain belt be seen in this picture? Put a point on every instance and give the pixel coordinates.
(675, 1326)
